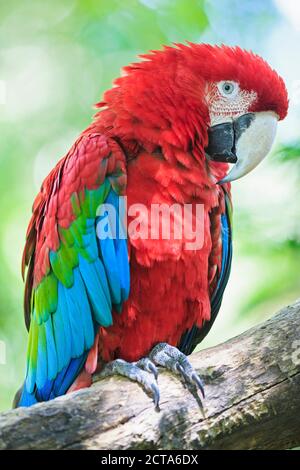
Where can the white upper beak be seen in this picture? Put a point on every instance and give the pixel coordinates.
(254, 144)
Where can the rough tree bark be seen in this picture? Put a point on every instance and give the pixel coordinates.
(252, 402)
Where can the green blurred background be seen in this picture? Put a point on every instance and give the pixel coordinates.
(56, 59)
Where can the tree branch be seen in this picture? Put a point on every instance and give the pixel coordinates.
(252, 401)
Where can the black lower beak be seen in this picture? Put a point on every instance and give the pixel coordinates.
(222, 138)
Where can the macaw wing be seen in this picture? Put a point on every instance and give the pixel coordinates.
(195, 335)
(76, 276)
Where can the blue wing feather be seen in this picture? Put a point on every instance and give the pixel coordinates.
(51, 349)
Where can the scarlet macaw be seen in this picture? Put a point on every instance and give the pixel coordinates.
(164, 134)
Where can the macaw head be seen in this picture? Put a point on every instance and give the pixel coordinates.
(245, 99)
(221, 102)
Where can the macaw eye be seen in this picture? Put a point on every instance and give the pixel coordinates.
(228, 89)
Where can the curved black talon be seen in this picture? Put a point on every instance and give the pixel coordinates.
(156, 395)
(195, 377)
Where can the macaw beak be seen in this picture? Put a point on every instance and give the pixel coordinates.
(244, 141)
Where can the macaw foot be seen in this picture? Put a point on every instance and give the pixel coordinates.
(145, 372)
(172, 359)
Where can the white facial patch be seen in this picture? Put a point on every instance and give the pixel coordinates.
(225, 107)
